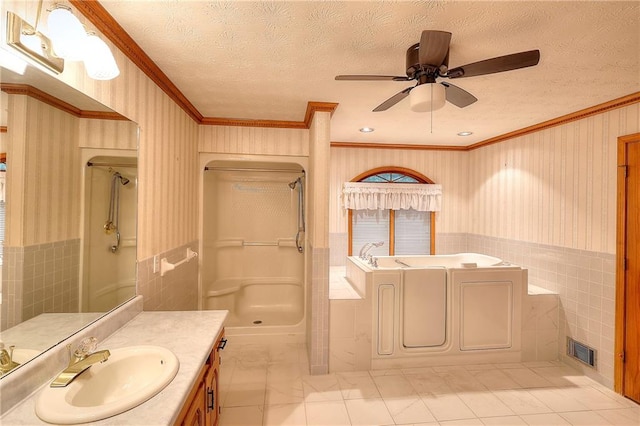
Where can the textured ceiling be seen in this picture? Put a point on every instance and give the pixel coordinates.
(267, 59)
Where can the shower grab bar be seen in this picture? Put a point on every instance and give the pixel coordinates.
(251, 169)
(165, 266)
(281, 242)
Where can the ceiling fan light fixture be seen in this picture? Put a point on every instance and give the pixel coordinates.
(427, 97)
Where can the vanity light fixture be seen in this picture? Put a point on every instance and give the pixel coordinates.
(366, 129)
(24, 38)
(466, 133)
(73, 43)
(69, 41)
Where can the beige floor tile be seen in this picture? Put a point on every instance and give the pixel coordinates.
(485, 404)
(554, 399)
(368, 412)
(357, 386)
(548, 419)
(521, 401)
(394, 386)
(580, 418)
(245, 394)
(527, 378)
(241, 416)
(592, 398)
(326, 413)
(285, 415)
(623, 417)
(463, 422)
(408, 410)
(503, 421)
(494, 379)
(284, 392)
(447, 406)
(321, 388)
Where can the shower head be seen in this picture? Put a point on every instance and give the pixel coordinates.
(123, 180)
(293, 184)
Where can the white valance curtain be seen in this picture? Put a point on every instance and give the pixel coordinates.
(392, 196)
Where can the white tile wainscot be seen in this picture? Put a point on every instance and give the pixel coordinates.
(540, 325)
(189, 334)
(349, 324)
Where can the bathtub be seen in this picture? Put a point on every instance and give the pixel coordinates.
(442, 309)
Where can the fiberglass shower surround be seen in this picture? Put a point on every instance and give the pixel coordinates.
(253, 240)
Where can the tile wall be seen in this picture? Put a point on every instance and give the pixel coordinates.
(177, 290)
(39, 278)
(585, 282)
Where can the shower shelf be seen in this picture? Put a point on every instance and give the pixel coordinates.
(165, 266)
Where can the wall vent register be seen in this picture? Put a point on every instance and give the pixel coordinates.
(581, 352)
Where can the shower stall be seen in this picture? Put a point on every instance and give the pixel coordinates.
(109, 237)
(253, 244)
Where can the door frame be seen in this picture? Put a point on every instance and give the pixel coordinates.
(621, 244)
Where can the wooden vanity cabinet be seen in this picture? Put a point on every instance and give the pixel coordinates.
(202, 407)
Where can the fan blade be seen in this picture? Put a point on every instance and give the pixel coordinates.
(393, 100)
(372, 77)
(434, 46)
(499, 64)
(457, 96)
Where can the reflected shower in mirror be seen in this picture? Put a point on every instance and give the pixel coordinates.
(58, 273)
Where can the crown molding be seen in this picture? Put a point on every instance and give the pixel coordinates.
(25, 89)
(312, 108)
(109, 27)
(574, 116)
(404, 146)
(622, 102)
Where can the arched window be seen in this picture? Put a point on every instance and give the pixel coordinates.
(403, 231)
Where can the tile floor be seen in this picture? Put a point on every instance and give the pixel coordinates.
(270, 385)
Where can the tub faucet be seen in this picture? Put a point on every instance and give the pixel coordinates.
(79, 361)
(365, 249)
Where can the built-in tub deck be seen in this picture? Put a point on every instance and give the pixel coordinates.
(437, 310)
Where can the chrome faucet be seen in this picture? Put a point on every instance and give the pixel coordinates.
(365, 249)
(82, 358)
(6, 359)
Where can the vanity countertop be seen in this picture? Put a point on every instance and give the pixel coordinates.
(189, 334)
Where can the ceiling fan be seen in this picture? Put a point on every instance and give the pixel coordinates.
(429, 60)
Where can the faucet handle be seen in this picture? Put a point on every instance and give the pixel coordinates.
(86, 347)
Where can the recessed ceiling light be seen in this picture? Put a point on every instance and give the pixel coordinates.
(367, 129)
(465, 133)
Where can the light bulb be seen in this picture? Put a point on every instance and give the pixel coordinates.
(67, 34)
(98, 60)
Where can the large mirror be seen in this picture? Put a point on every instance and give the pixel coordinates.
(68, 207)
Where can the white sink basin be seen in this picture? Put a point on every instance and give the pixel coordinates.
(128, 378)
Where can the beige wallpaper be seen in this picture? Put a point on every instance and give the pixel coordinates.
(555, 187)
(448, 168)
(108, 134)
(253, 140)
(167, 213)
(43, 186)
